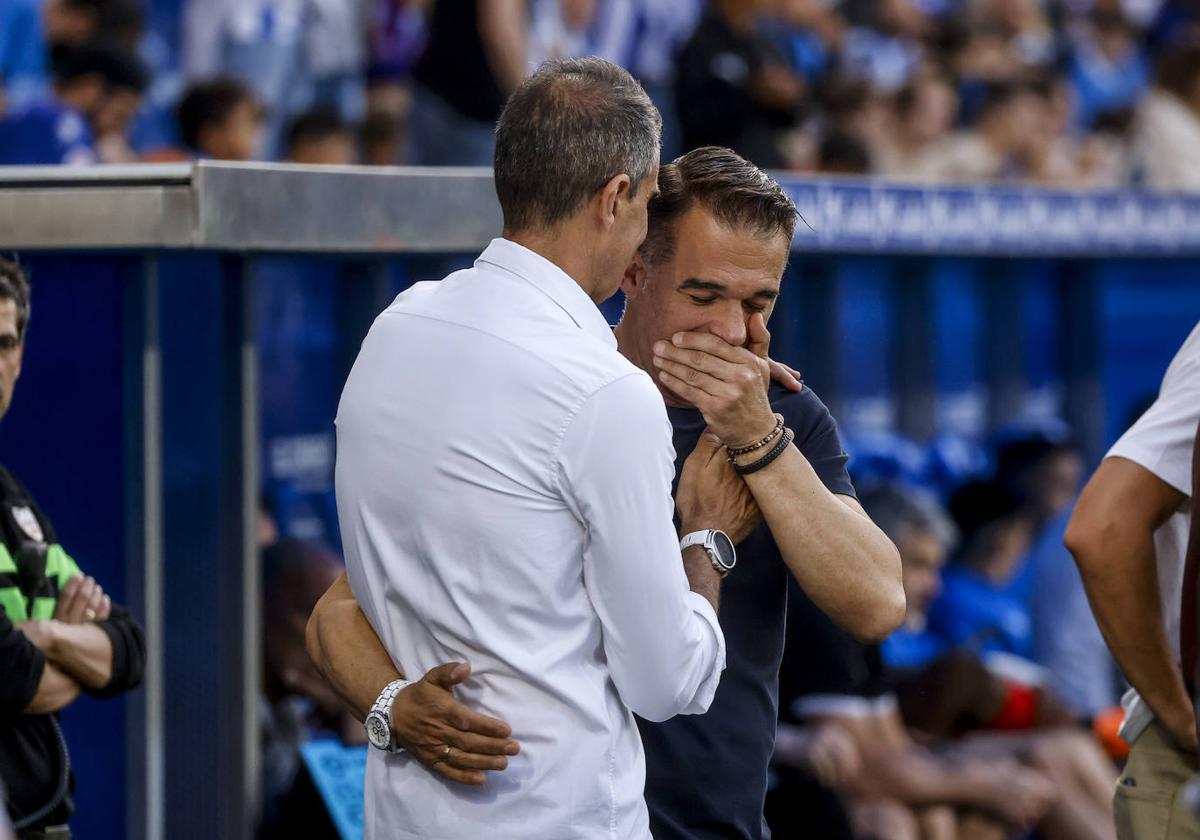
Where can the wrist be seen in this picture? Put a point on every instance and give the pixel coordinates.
(755, 433)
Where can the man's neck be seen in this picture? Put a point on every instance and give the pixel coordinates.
(565, 249)
(629, 347)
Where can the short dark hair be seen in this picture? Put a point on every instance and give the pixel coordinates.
(734, 190)
(896, 510)
(209, 104)
(567, 131)
(14, 286)
(980, 504)
(118, 67)
(842, 153)
(314, 126)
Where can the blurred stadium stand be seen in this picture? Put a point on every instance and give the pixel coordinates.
(204, 316)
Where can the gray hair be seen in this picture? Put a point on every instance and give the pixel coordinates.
(568, 130)
(897, 510)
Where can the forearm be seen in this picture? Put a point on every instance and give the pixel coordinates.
(703, 579)
(55, 692)
(918, 778)
(502, 28)
(82, 651)
(844, 563)
(347, 651)
(1120, 575)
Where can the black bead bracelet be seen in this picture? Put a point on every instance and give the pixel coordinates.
(784, 441)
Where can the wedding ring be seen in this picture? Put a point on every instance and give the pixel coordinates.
(90, 614)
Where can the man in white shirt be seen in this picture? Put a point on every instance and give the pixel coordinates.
(504, 490)
(1129, 536)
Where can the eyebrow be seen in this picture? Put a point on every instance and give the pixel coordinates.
(720, 288)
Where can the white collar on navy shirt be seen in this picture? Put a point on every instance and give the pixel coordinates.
(551, 281)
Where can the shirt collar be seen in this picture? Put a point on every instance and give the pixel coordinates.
(551, 281)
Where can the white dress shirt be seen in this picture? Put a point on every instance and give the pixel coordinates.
(504, 492)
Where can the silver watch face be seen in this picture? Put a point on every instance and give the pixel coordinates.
(726, 556)
(378, 732)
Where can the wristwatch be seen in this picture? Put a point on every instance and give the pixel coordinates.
(717, 546)
(379, 719)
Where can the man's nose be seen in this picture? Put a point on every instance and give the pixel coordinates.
(730, 327)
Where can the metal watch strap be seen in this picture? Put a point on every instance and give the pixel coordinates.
(384, 703)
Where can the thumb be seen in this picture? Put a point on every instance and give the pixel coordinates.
(759, 338)
(449, 675)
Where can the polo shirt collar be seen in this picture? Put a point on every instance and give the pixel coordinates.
(551, 281)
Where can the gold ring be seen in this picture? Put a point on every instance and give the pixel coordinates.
(446, 754)
(90, 613)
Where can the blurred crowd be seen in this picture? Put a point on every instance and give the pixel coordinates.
(1068, 93)
(993, 710)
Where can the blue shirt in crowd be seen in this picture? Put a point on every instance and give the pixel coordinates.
(22, 52)
(48, 133)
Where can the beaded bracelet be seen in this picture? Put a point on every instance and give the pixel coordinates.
(744, 450)
(784, 442)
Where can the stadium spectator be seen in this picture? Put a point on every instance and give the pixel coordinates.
(296, 704)
(975, 610)
(1129, 534)
(97, 91)
(923, 115)
(221, 120)
(1047, 473)
(733, 88)
(382, 138)
(996, 149)
(474, 58)
(321, 137)
(843, 154)
(1167, 131)
(888, 49)
(1106, 68)
(30, 28)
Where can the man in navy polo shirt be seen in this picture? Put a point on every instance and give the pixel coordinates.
(698, 296)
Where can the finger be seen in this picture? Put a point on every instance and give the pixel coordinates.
(80, 603)
(785, 376)
(67, 596)
(701, 360)
(448, 675)
(758, 338)
(105, 609)
(455, 774)
(92, 611)
(709, 343)
(693, 396)
(469, 742)
(474, 761)
(697, 379)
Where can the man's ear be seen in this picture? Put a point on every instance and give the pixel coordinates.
(609, 197)
(634, 281)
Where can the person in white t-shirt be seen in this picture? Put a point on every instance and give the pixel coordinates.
(1129, 537)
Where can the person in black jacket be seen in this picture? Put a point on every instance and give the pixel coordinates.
(733, 89)
(60, 634)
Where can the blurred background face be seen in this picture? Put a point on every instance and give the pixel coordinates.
(682, 295)
(933, 112)
(11, 351)
(1056, 483)
(66, 24)
(240, 137)
(922, 556)
(333, 150)
(117, 112)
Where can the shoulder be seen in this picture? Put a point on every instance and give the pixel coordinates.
(804, 412)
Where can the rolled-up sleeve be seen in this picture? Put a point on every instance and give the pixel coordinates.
(663, 643)
(129, 653)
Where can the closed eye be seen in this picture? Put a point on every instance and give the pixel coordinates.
(702, 301)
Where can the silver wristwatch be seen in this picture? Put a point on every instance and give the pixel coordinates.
(717, 546)
(379, 719)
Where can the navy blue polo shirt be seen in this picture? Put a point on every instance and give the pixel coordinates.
(706, 775)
